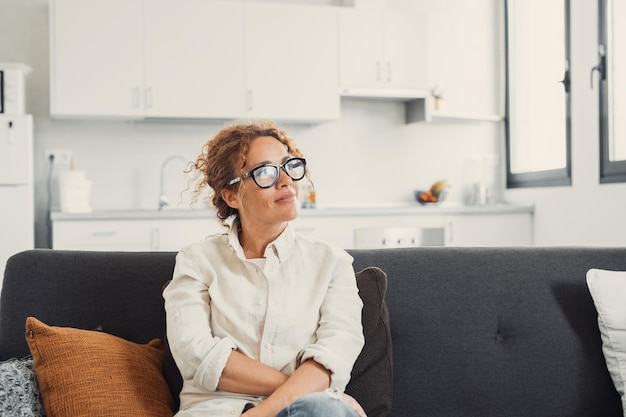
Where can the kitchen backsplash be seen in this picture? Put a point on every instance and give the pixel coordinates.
(367, 157)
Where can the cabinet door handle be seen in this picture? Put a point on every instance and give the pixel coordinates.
(148, 97)
(250, 100)
(104, 233)
(135, 97)
(305, 229)
(155, 239)
(11, 138)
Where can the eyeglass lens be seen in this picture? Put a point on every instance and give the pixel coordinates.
(267, 175)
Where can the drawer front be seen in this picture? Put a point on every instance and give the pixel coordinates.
(104, 235)
(172, 235)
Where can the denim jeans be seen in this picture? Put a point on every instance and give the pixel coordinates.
(319, 404)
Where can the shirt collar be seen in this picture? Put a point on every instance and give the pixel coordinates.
(281, 247)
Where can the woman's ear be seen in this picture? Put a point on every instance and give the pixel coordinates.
(231, 198)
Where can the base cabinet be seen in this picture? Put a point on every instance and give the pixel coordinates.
(172, 235)
(348, 231)
(130, 235)
(514, 229)
(335, 230)
(356, 232)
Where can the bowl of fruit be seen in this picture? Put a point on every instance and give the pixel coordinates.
(435, 195)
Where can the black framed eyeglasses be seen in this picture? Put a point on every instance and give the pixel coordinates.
(266, 175)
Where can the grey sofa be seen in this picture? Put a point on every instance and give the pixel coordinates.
(477, 332)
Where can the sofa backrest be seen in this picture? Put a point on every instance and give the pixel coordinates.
(476, 331)
(119, 291)
(496, 331)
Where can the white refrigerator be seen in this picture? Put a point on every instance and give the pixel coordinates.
(16, 186)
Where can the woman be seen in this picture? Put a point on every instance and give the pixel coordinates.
(261, 320)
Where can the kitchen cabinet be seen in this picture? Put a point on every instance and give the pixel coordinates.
(369, 230)
(130, 234)
(193, 59)
(462, 226)
(123, 235)
(107, 60)
(291, 61)
(382, 50)
(504, 229)
(173, 234)
(358, 227)
(96, 65)
(335, 230)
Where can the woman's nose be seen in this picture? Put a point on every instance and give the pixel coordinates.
(283, 178)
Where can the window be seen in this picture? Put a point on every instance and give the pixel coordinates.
(612, 60)
(537, 93)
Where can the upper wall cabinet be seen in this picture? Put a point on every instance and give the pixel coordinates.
(193, 59)
(382, 50)
(96, 58)
(292, 61)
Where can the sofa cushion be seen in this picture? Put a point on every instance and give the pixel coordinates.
(608, 290)
(19, 392)
(371, 379)
(90, 373)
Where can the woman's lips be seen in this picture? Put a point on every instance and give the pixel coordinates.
(287, 198)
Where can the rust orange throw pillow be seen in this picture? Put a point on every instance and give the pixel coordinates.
(91, 373)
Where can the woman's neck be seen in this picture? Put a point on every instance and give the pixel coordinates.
(254, 240)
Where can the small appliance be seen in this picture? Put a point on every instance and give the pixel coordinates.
(12, 91)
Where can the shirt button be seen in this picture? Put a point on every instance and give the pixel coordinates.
(268, 346)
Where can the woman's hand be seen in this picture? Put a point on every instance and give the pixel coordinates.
(350, 401)
(353, 404)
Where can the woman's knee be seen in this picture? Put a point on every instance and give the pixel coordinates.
(319, 404)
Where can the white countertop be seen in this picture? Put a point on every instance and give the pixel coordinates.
(323, 211)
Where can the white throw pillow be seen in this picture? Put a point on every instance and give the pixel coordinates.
(608, 290)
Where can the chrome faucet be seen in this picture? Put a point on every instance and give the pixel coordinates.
(163, 199)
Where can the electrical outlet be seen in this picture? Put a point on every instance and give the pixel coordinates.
(60, 157)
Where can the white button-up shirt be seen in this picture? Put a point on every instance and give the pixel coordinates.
(302, 303)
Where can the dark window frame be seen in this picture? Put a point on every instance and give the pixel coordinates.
(610, 171)
(546, 178)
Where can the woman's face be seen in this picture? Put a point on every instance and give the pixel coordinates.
(265, 206)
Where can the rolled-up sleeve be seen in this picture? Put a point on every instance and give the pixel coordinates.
(199, 355)
(340, 335)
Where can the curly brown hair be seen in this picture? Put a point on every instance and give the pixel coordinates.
(224, 156)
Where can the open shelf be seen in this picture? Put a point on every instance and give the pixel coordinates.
(418, 106)
(463, 117)
(384, 94)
